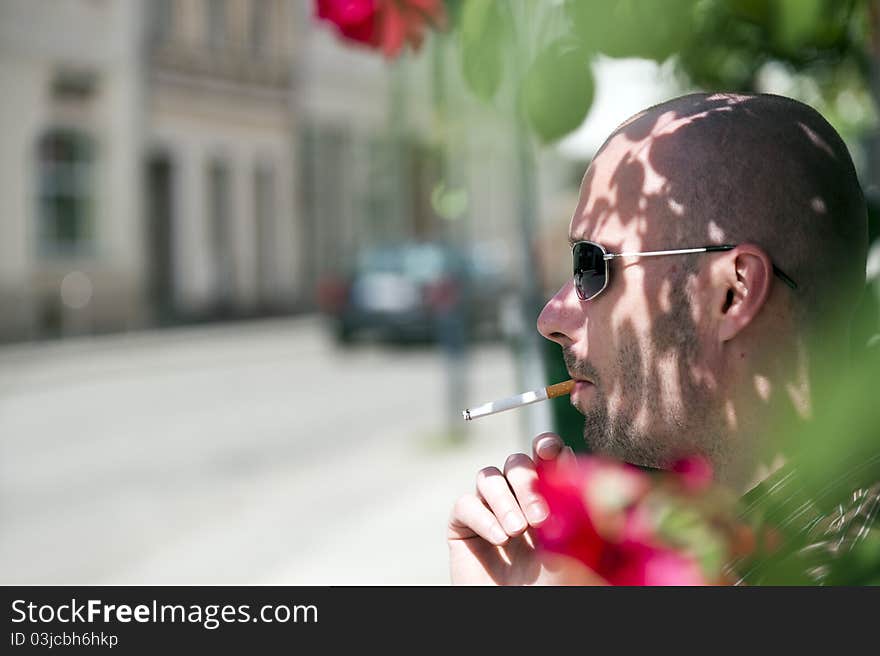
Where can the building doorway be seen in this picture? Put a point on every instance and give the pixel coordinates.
(160, 210)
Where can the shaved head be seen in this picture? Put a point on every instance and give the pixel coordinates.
(764, 169)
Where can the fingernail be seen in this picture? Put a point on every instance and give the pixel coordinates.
(538, 512)
(498, 535)
(514, 522)
(549, 448)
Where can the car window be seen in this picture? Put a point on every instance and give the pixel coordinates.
(380, 261)
(421, 263)
(425, 263)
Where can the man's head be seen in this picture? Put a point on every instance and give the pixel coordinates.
(682, 349)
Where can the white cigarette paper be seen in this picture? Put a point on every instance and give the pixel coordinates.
(519, 400)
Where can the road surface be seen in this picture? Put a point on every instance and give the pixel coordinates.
(250, 453)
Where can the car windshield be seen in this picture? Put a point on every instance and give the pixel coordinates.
(422, 263)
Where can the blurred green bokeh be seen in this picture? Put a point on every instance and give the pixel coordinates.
(543, 50)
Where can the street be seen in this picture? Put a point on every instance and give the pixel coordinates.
(249, 453)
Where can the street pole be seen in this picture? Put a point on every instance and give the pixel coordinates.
(453, 319)
(528, 350)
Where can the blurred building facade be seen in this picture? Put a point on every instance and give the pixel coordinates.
(69, 169)
(219, 157)
(148, 163)
(177, 160)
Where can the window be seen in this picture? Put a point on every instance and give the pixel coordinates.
(264, 209)
(162, 20)
(220, 216)
(261, 13)
(65, 194)
(217, 24)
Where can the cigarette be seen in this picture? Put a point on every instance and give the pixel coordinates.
(519, 400)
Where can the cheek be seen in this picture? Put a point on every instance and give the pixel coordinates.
(631, 313)
(664, 297)
(630, 350)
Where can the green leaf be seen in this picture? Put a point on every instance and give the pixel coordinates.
(558, 90)
(481, 43)
(477, 16)
(653, 29)
(481, 67)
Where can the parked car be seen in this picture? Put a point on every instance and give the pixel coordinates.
(415, 291)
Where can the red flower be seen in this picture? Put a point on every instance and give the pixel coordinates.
(569, 529)
(596, 518)
(385, 24)
(405, 20)
(355, 19)
(638, 563)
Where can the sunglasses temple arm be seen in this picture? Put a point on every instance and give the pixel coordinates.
(784, 277)
(679, 251)
(704, 249)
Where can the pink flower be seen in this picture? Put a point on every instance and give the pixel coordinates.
(694, 473)
(597, 517)
(610, 486)
(569, 529)
(639, 563)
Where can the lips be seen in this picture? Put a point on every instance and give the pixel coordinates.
(578, 379)
(582, 389)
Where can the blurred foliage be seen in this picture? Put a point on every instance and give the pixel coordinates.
(845, 429)
(544, 49)
(449, 202)
(652, 29)
(733, 39)
(836, 452)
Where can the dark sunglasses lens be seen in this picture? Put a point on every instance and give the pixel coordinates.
(590, 270)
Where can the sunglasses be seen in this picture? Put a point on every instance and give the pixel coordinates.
(591, 271)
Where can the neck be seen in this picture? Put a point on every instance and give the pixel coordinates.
(765, 403)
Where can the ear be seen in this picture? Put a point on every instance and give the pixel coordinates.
(742, 288)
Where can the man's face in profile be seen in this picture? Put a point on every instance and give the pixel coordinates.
(639, 347)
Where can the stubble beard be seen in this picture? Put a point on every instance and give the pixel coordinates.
(685, 427)
(615, 433)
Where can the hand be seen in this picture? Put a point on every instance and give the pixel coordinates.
(490, 534)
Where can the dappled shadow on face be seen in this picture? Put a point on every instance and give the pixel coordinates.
(628, 182)
(698, 172)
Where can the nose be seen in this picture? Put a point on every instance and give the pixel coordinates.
(557, 321)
